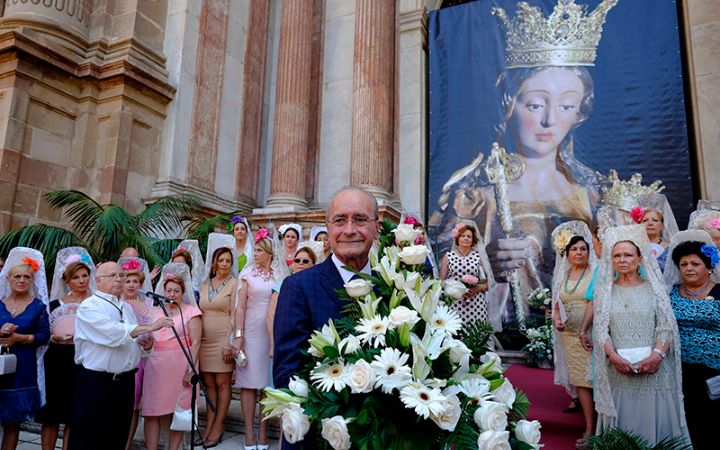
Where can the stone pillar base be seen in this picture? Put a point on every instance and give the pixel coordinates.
(285, 200)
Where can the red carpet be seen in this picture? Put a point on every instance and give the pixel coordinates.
(559, 430)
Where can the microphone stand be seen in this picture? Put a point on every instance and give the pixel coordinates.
(194, 380)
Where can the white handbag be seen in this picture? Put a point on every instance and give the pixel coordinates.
(636, 354)
(8, 362)
(182, 418)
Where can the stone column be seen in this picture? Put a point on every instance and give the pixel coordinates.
(374, 97)
(292, 106)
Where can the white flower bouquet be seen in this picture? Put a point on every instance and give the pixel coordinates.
(393, 373)
(539, 351)
(540, 298)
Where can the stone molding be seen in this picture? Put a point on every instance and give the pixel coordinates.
(212, 202)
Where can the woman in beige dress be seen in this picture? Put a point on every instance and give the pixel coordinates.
(217, 302)
(575, 264)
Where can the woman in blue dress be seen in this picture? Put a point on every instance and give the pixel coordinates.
(25, 330)
(695, 298)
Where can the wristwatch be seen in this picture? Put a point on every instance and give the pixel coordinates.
(660, 352)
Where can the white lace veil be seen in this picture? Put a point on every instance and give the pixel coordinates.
(178, 271)
(561, 236)
(659, 202)
(282, 230)
(64, 258)
(215, 241)
(317, 248)
(314, 231)
(134, 263)
(636, 234)
(198, 264)
(39, 290)
(278, 265)
(701, 220)
(249, 244)
(672, 273)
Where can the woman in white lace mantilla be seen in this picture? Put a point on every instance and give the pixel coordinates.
(636, 342)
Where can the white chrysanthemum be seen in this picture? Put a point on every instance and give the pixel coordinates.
(329, 376)
(476, 388)
(424, 400)
(446, 320)
(390, 370)
(373, 330)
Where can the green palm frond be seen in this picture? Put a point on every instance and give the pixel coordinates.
(166, 214)
(47, 239)
(201, 227)
(82, 211)
(619, 439)
(114, 229)
(164, 248)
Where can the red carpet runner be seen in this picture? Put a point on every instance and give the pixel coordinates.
(559, 430)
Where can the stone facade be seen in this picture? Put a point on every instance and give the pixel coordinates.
(267, 107)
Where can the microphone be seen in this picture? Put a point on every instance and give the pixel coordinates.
(156, 297)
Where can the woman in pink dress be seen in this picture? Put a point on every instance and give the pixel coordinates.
(251, 336)
(167, 374)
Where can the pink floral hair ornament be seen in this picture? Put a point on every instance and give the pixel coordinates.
(714, 223)
(262, 233)
(410, 220)
(456, 231)
(133, 264)
(72, 259)
(170, 276)
(34, 265)
(637, 214)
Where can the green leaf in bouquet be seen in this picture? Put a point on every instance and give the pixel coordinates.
(616, 438)
(521, 405)
(520, 445)
(331, 352)
(465, 436)
(476, 336)
(496, 382)
(442, 367)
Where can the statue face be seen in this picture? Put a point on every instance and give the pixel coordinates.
(546, 108)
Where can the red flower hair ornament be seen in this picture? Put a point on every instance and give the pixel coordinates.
(32, 263)
(133, 264)
(637, 214)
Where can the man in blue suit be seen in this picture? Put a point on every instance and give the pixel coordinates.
(307, 300)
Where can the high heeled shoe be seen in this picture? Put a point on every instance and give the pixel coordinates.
(214, 443)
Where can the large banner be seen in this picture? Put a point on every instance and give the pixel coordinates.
(570, 92)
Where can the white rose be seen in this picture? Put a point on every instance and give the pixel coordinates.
(350, 344)
(505, 394)
(295, 423)
(449, 419)
(358, 287)
(413, 254)
(406, 283)
(360, 377)
(494, 440)
(459, 352)
(492, 362)
(454, 289)
(401, 316)
(528, 431)
(298, 387)
(405, 233)
(491, 416)
(335, 431)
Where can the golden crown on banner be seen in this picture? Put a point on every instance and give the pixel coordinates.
(569, 37)
(625, 194)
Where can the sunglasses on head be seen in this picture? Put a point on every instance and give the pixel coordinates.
(302, 260)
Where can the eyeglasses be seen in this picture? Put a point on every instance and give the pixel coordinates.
(303, 261)
(361, 221)
(117, 276)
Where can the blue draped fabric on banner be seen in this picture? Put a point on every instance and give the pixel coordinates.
(636, 121)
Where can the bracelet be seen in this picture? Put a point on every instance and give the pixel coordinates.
(29, 339)
(660, 352)
(239, 333)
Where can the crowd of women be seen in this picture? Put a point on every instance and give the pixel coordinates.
(222, 310)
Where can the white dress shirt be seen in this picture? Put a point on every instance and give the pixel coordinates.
(346, 274)
(102, 340)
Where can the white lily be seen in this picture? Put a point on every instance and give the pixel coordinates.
(328, 336)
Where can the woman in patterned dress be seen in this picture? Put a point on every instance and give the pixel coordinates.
(465, 259)
(695, 298)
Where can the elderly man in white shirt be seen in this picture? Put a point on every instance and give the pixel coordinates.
(108, 345)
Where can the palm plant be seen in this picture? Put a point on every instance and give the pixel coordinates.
(618, 439)
(199, 228)
(105, 230)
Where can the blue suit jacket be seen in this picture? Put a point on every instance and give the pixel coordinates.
(307, 300)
